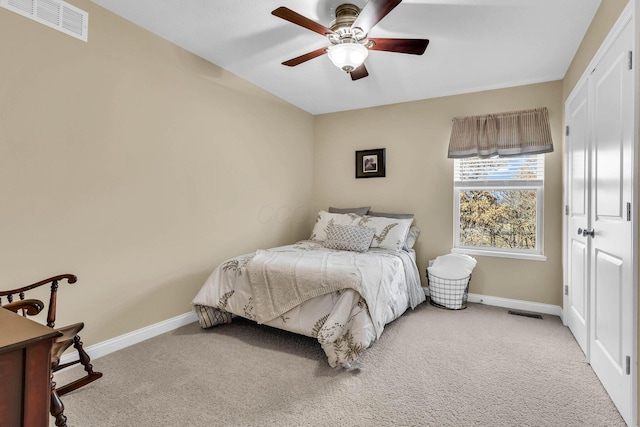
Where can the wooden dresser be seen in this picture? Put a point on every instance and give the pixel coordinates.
(25, 371)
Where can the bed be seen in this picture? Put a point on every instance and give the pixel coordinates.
(355, 274)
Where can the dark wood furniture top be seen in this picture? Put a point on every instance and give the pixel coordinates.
(17, 330)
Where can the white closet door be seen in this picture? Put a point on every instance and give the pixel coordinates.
(576, 300)
(611, 264)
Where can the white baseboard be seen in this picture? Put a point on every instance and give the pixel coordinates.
(515, 304)
(118, 343)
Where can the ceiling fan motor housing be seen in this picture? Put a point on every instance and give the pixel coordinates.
(346, 15)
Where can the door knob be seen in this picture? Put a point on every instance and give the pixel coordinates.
(580, 231)
(591, 233)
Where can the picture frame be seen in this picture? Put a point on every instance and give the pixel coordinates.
(370, 163)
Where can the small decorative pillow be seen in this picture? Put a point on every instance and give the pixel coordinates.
(326, 219)
(391, 233)
(349, 238)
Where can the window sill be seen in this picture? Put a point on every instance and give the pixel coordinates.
(499, 254)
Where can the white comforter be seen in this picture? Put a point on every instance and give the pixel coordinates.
(339, 317)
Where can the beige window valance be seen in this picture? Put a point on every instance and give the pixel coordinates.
(503, 134)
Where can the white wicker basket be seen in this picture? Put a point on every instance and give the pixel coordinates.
(448, 293)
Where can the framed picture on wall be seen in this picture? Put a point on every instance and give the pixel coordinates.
(370, 163)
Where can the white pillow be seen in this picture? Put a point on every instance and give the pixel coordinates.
(391, 233)
(349, 238)
(325, 219)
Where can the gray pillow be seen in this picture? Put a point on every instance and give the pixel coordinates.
(391, 215)
(358, 211)
(349, 238)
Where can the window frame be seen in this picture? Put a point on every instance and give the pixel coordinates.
(495, 185)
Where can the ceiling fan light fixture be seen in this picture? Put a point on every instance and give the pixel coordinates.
(347, 56)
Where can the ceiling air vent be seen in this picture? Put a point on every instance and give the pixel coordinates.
(56, 14)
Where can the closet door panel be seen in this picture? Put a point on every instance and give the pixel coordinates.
(609, 146)
(608, 293)
(579, 302)
(610, 229)
(576, 301)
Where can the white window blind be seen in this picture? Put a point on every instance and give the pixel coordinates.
(498, 171)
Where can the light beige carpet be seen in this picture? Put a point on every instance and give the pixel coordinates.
(432, 367)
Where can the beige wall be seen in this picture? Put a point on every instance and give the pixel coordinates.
(605, 18)
(138, 167)
(420, 179)
(603, 21)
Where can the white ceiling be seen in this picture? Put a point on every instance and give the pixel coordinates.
(474, 45)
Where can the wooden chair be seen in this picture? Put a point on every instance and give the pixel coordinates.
(31, 307)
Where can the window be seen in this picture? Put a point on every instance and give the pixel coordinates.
(498, 206)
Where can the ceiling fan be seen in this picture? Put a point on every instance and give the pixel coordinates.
(348, 36)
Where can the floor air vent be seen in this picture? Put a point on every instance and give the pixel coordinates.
(56, 14)
(523, 314)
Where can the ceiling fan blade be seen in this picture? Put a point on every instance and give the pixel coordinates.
(373, 12)
(294, 17)
(306, 57)
(359, 73)
(411, 46)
